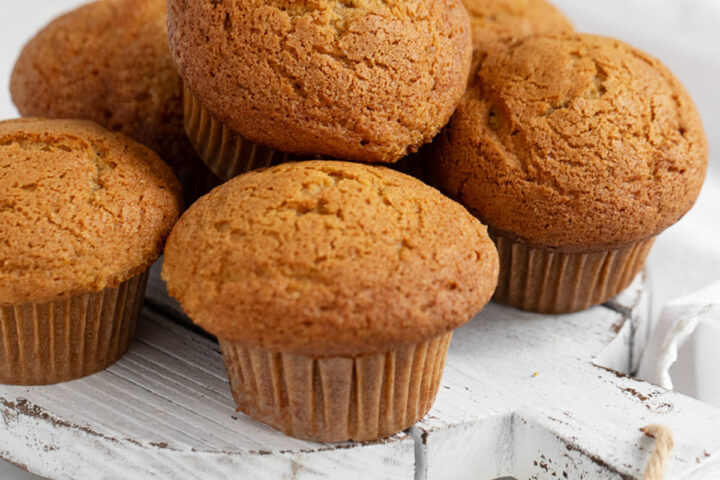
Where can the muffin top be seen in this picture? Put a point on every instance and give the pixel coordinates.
(507, 20)
(363, 80)
(329, 258)
(108, 62)
(574, 142)
(81, 209)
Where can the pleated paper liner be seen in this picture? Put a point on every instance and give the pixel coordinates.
(223, 150)
(338, 398)
(42, 344)
(416, 164)
(545, 281)
(196, 179)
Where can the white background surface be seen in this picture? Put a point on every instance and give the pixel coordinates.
(682, 33)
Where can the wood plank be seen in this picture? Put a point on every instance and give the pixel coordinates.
(523, 395)
(165, 409)
(635, 304)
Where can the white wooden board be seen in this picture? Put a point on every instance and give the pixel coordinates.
(542, 408)
(165, 410)
(521, 397)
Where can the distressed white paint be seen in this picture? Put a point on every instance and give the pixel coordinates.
(634, 304)
(165, 410)
(524, 397)
(520, 397)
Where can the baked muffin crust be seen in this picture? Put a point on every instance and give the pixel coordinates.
(328, 258)
(507, 20)
(574, 142)
(81, 209)
(363, 80)
(108, 62)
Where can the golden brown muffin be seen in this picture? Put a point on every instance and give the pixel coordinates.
(367, 80)
(507, 20)
(573, 144)
(84, 213)
(109, 62)
(494, 21)
(331, 262)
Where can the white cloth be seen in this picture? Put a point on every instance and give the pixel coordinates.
(683, 350)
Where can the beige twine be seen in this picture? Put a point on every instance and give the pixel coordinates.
(663, 446)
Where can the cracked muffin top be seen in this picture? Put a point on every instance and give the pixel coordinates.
(329, 258)
(507, 20)
(108, 62)
(574, 142)
(81, 209)
(364, 80)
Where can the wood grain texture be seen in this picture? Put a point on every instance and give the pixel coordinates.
(633, 330)
(540, 404)
(523, 395)
(165, 410)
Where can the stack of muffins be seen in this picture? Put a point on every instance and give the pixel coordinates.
(333, 286)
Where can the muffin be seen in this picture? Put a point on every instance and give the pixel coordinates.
(494, 21)
(84, 213)
(109, 62)
(576, 150)
(508, 20)
(362, 81)
(333, 288)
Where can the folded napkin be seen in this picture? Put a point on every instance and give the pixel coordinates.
(683, 352)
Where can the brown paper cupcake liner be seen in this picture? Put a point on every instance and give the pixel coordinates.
(196, 179)
(42, 344)
(546, 281)
(224, 151)
(416, 165)
(337, 399)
